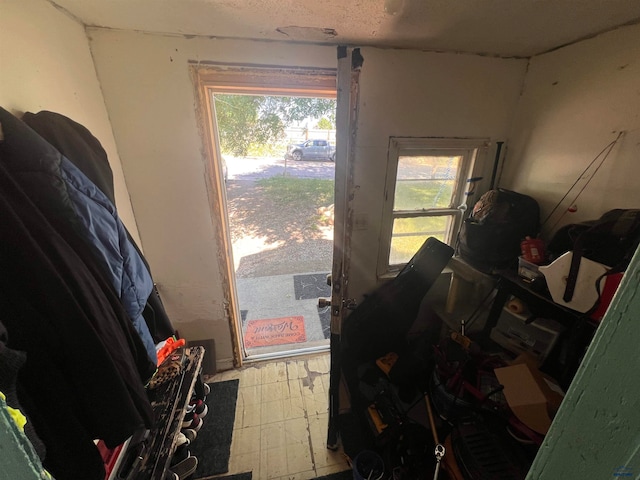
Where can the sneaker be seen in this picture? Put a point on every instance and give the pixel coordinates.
(199, 407)
(200, 392)
(205, 410)
(180, 454)
(197, 423)
(188, 420)
(181, 439)
(185, 468)
(190, 433)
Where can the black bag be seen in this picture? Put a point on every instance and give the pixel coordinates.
(611, 240)
(490, 238)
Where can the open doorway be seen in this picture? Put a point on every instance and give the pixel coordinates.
(275, 149)
(280, 172)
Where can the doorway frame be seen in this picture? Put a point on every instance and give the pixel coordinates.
(249, 79)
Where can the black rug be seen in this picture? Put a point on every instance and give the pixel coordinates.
(344, 475)
(237, 476)
(212, 446)
(314, 285)
(311, 285)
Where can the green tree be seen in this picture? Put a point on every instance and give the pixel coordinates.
(325, 124)
(251, 120)
(241, 123)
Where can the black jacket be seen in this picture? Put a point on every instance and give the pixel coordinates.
(84, 362)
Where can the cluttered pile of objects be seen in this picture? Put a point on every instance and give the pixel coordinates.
(579, 267)
(428, 402)
(427, 405)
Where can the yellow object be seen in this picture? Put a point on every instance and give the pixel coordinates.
(376, 419)
(19, 419)
(461, 339)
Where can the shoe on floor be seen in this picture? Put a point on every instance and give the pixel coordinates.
(199, 407)
(197, 423)
(190, 433)
(192, 421)
(180, 454)
(182, 439)
(185, 467)
(187, 421)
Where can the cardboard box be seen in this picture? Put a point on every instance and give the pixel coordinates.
(528, 394)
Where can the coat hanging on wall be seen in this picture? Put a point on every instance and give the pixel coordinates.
(86, 363)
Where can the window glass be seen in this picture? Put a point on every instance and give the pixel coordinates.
(424, 190)
(409, 234)
(425, 182)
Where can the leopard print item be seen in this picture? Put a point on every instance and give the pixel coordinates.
(168, 370)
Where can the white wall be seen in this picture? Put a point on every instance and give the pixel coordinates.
(409, 93)
(575, 101)
(151, 103)
(46, 64)
(150, 98)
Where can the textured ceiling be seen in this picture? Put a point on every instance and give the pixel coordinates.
(495, 27)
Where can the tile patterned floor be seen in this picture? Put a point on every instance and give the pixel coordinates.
(280, 429)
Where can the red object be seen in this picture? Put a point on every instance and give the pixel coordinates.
(170, 345)
(109, 456)
(532, 250)
(275, 331)
(610, 286)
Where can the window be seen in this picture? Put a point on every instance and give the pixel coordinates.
(425, 187)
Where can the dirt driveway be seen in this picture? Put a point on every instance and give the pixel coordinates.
(271, 240)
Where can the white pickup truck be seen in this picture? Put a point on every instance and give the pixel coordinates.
(311, 150)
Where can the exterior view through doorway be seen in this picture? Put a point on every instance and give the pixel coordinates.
(274, 142)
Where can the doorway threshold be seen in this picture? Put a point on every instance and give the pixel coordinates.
(261, 357)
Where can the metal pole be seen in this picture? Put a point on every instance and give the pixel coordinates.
(496, 162)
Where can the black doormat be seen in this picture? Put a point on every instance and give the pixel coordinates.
(311, 285)
(314, 285)
(237, 476)
(212, 446)
(344, 475)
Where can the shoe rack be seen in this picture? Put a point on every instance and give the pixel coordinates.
(147, 455)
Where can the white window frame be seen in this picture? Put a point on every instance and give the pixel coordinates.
(472, 150)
